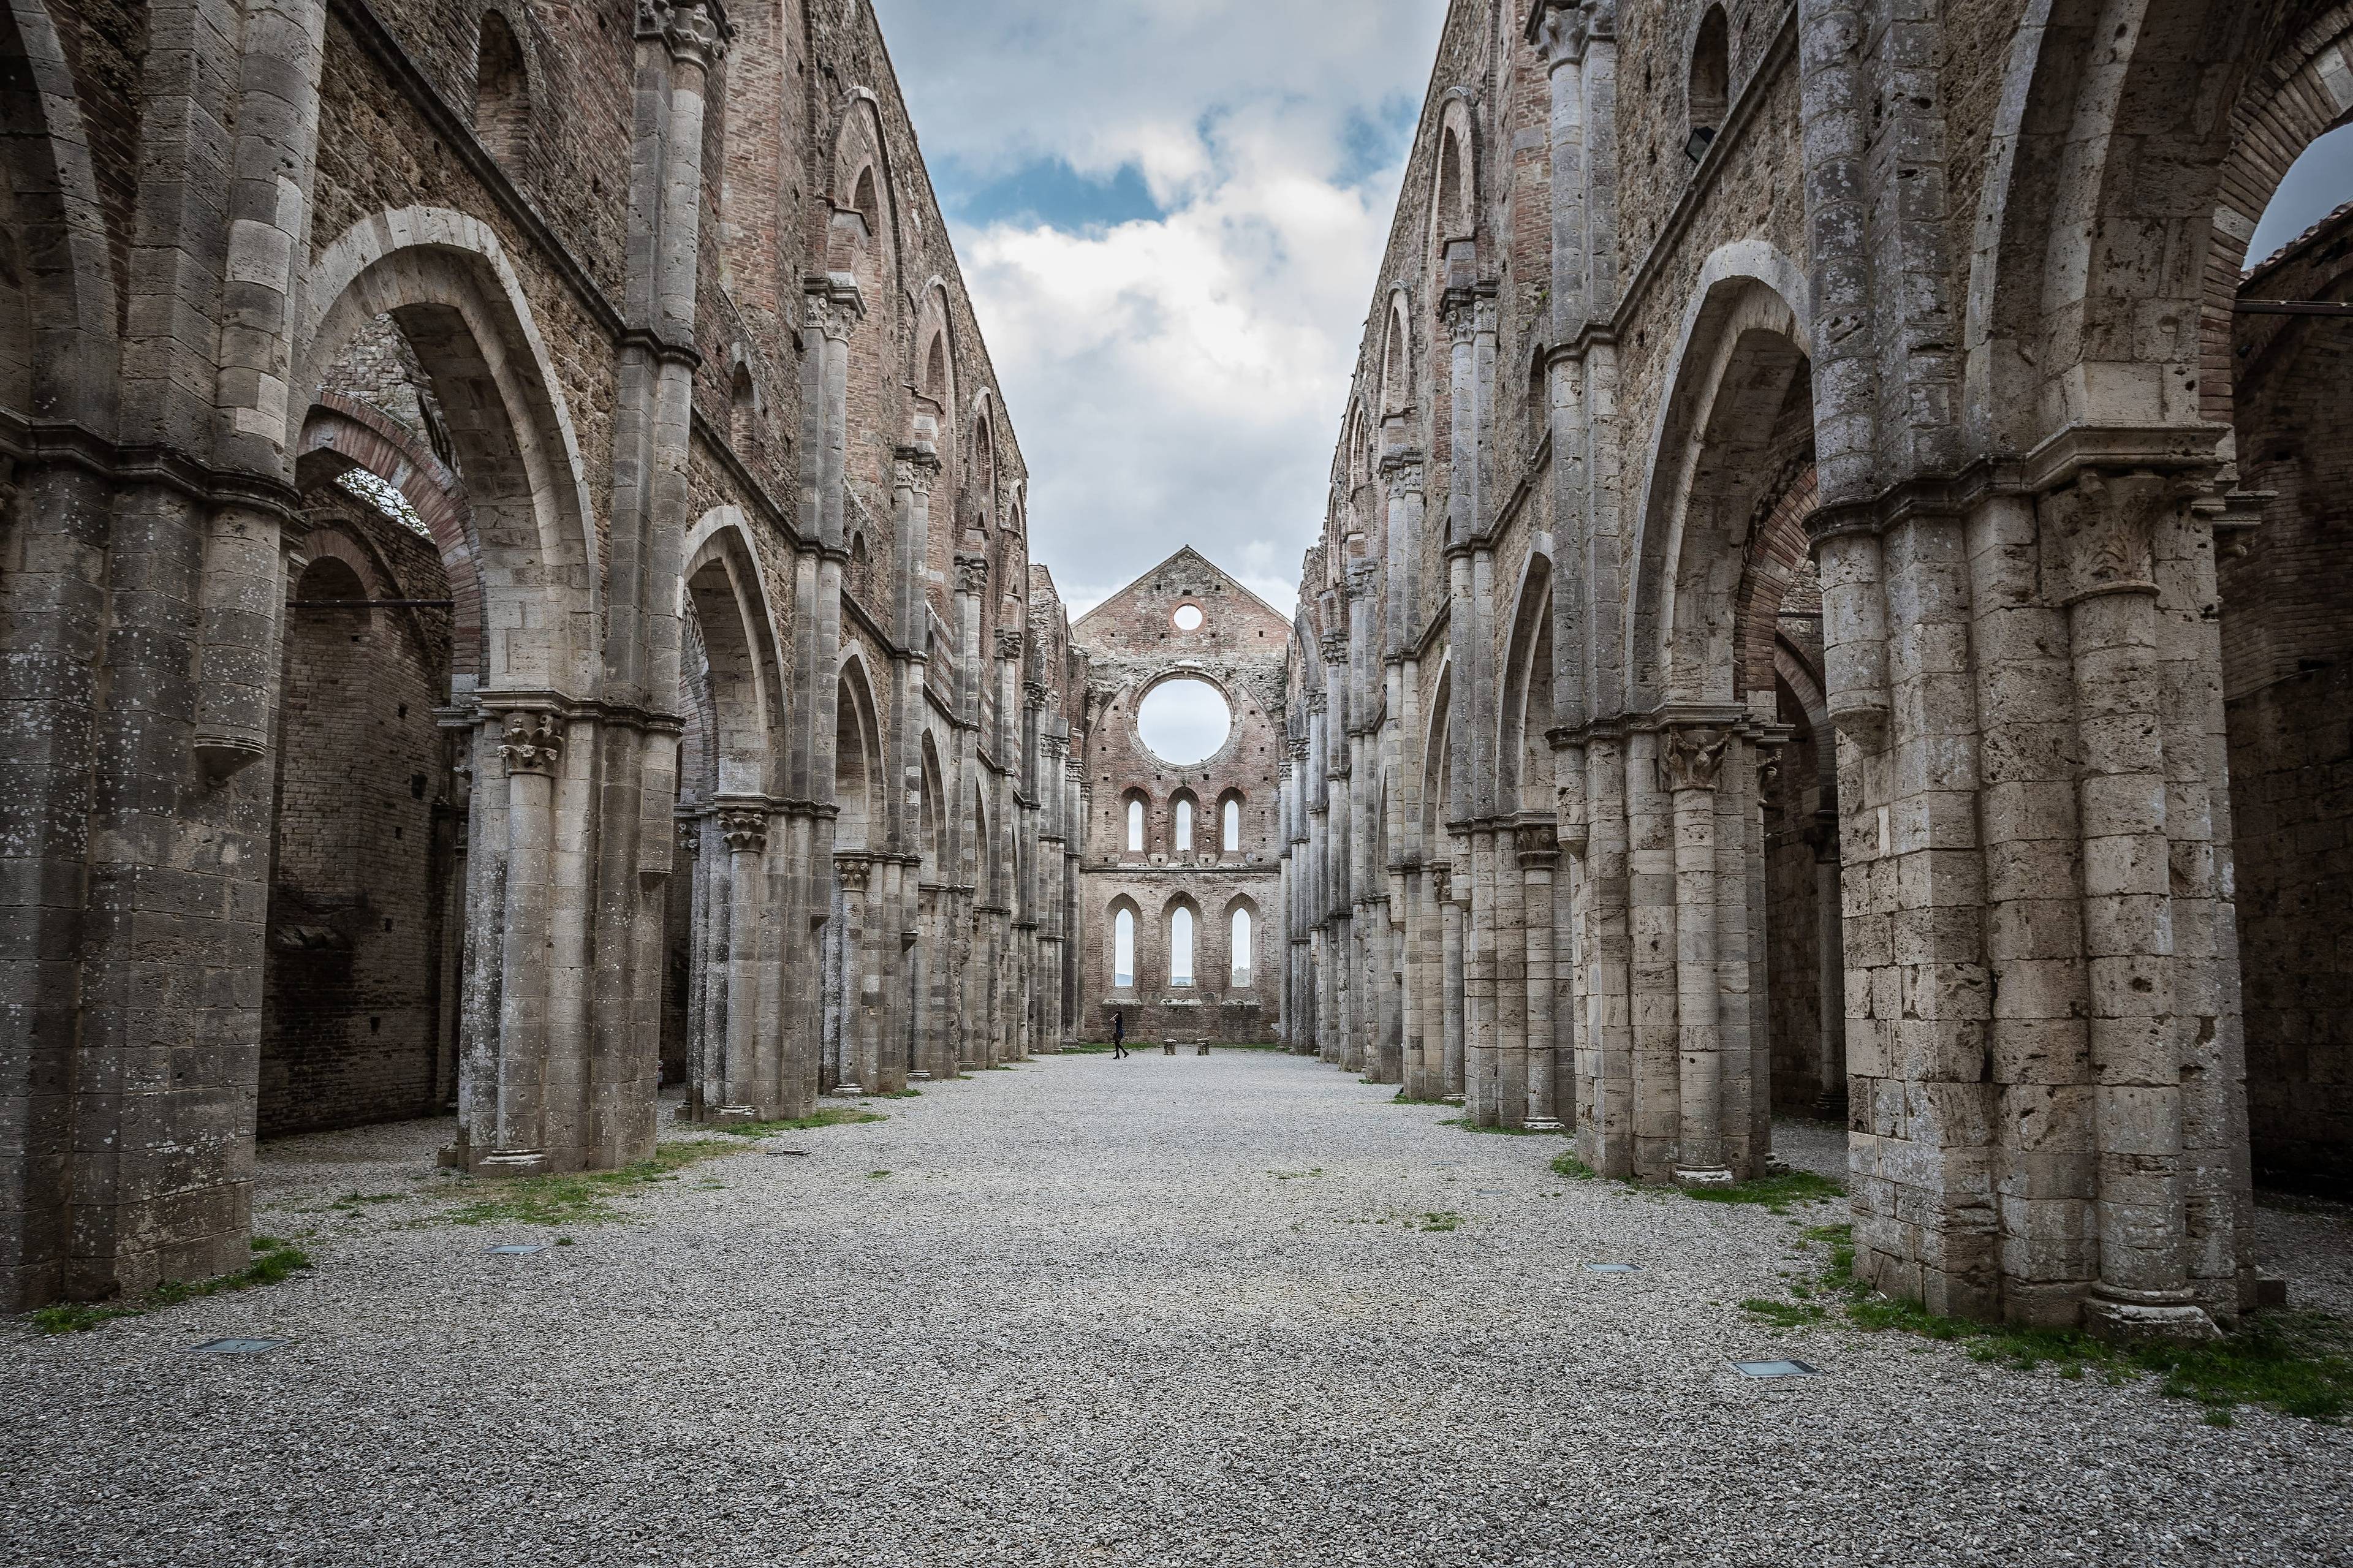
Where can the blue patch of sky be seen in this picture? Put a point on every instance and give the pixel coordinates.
(2318, 183)
(1049, 193)
(1377, 140)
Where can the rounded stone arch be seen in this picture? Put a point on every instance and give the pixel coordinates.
(1398, 355)
(1523, 754)
(58, 292)
(508, 80)
(932, 816)
(1123, 904)
(1777, 564)
(1239, 933)
(2097, 214)
(1134, 824)
(861, 184)
(1454, 175)
(858, 781)
(724, 593)
(1185, 820)
(1742, 386)
(1231, 823)
(445, 281)
(1707, 90)
(1437, 758)
(1181, 940)
(342, 434)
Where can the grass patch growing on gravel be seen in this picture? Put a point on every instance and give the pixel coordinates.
(1441, 1219)
(1775, 1193)
(2300, 1364)
(274, 1262)
(1468, 1125)
(824, 1116)
(587, 1198)
(1575, 1169)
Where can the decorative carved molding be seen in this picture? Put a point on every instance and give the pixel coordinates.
(690, 836)
(1009, 642)
(745, 829)
(832, 314)
(856, 872)
(531, 743)
(1336, 647)
(1560, 29)
(1297, 746)
(1033, 695)
(1442, 878)
(2098, 533)
(1691, 758)
(1538, 843)
(694, 31)
(972, 574)
(1362, 579)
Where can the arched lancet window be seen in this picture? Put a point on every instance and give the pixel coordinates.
(743, 407)
(1122, 950)
(1242, 949)
(1135, 828)
(1711, 81)
(1180, 947)
(1233, 826)
(501, 96)
(1183, 812)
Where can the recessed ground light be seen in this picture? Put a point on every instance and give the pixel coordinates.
(1490, 1192)
(1613, 1268)
(236, 1347)
(519, 1249)
(1777, 1369)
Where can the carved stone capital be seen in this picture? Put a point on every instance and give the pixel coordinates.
(1314, 700)
(1442, 881)
(1691, 758)
(832, 313)
(2099, 533)
(690, 836)
(1009, 642)
(531, 743)
(913, 469)
(856, 872)
(1768, 775)
(972, 574)
(1539, 843)
(1336, 647)
(695, 32)
(1362, 579)
(1033, 695)
(1405, 473)
(745, 828)
(1560, 29)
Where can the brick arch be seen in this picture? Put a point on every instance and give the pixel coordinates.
(367, 439)
(2303, 92)
(1777, 574)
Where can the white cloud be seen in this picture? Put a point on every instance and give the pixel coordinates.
(1179, 379)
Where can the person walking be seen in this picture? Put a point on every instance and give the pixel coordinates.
(1118, 1035)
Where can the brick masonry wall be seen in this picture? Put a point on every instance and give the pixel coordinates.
(351, 985)
(1131, 641)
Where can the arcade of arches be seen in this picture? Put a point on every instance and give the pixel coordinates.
(1832, 602)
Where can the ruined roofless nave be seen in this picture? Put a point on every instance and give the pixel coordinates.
(518, 601)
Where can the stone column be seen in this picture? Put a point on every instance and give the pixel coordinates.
(1539, 850)
(532, 747)
(1690, 762)
(1454, 1027)
(744, 830)
(862, 987)
(2099, 535)
(1831, 967)
(1610, 1132)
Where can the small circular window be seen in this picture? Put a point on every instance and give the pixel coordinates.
(1188, 617)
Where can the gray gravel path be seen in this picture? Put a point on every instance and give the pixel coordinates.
(1169, 1310)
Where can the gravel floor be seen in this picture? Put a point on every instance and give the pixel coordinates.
(1167, 1310)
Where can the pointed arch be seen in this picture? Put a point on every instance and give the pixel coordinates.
(1397, 357)
(857, 756)
(1523, 755)
(721, 591)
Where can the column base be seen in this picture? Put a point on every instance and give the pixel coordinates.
(734, 1115)
(1543, 1124)
(1716, 1177)
(847, 1091)
(915, 1077)
(2139, 1315)
(1450, 1100)
(506, 1163)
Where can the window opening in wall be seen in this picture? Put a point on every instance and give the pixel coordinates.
(1233, 838)
(1122, 950)
(1188, 617)
(1184, 721)
(1136, 826)
(1242, 949)
(1184, 813)
(502, 98)
(1711, 83)
(1180, 948)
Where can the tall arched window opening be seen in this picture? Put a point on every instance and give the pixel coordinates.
(1233, 827)
(1183, 811)
(1180, 948)
(1122, 950)
(1135, 828)
(501, 96)
(1242, 949)
(1711, 83)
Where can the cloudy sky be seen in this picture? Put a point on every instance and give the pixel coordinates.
(1171, 213)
